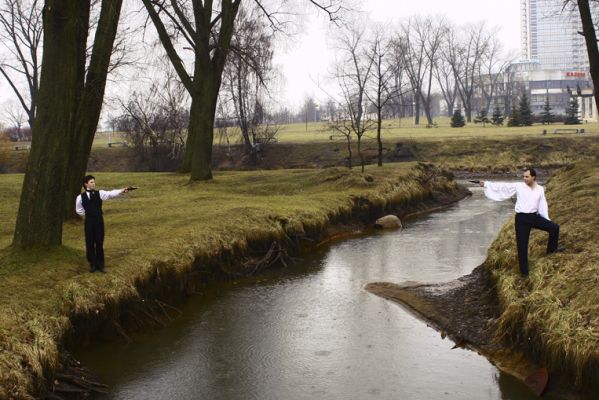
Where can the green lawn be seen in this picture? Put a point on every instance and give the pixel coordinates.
(405, 129)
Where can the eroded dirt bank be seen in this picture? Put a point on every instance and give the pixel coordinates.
(466, 310)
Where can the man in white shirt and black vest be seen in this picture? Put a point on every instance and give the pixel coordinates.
(89, 205)
(531, 212)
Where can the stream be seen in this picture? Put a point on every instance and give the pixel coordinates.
(310, 331)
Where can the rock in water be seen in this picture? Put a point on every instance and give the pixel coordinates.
(388, 222)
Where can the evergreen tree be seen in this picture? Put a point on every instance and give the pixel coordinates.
(572, 113)
(524, 111)
(514, 117)
(457, 120)
(481, 117)
(546, 116)
(497, 118)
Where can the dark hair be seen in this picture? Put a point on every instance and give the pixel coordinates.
(532, 171)
(86, 179)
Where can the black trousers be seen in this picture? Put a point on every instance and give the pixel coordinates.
(524, 223)
(94, 241)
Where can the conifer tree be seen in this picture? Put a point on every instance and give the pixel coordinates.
(546, 116)
(457, 120)
(572, 113)
(524, 111)
(497, 118)
(514, 117)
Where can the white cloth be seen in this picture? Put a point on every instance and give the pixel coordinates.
(528, 200)
(104, 195)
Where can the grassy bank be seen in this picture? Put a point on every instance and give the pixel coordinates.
(167, 238)
(555, 315)
(492, 149)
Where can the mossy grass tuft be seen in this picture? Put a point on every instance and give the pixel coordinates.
(159, 236)
(555, 313)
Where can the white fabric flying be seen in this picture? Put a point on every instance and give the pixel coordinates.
(528, 200)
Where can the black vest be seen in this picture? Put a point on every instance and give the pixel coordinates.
(92, 204)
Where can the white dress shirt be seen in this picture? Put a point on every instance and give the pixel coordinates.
(528, 200)
(104, 195)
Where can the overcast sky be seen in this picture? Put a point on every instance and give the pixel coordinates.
(305, 61)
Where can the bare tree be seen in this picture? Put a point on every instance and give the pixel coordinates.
(21, 33)
(247, 73)
(418, 46)
(206, 29)
(382, 91)
(402, 104)
(154, 121)
(63, 130)
(353, 72)
(16, 117)
(446, 80)
(465, 49)
(491, 70)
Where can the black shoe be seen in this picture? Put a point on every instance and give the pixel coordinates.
(101, 269)
(92, 268)
(558, 250)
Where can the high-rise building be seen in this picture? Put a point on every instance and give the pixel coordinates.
(549, 33)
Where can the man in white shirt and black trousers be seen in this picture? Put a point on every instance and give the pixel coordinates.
(89, 205)
(531, 212)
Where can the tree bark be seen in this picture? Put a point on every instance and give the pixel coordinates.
(90, 106)
(41, 207)
(201, 129)
(590, 37)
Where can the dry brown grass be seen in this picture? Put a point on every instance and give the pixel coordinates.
(556, 314)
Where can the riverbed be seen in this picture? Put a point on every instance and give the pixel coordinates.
(310, 331)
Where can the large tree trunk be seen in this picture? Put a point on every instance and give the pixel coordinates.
(41, 208)
(90, 107)
(590, 37)
(201, 131)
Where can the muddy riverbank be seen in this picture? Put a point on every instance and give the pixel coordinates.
(466, 311)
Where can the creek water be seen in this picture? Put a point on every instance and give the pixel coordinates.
(310, 331)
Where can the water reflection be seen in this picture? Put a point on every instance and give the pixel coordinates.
(311, 331)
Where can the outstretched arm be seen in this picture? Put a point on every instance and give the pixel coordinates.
(499, 190)
(111, 194)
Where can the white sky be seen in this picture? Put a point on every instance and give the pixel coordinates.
(307, 59)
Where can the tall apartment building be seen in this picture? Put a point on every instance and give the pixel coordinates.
(549, 33)
(555, 63)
